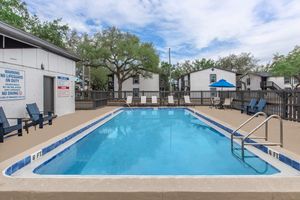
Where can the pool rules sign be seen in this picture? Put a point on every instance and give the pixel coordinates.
(63, 86)
(12, 84)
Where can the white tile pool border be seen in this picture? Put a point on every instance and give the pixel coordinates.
(27, 172)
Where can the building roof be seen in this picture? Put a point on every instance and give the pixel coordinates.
(14, 33)
(207, 69)
(261, 74)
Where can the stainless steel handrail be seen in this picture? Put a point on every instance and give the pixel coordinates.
(260, 125)
(246, 122)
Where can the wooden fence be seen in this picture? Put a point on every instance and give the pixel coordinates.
(283, 103)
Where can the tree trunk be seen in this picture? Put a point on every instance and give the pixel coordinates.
(120, 88)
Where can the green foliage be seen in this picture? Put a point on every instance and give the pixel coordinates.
(99, 78)
(288, 65)
(122, 54)
(241, 63)
(15, 13)
(203, 64)
(53, 31)
(191, 66)
(165, 71)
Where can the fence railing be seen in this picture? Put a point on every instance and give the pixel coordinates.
(284, 103)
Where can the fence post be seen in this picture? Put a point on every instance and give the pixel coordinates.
(201, 96)
(297, 105)
(242, 100)
(284, 105)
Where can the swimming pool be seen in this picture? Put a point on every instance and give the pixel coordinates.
(154, 142)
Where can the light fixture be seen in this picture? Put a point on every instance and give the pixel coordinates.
(42, 66)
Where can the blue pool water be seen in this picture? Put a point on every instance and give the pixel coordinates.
(154, 142)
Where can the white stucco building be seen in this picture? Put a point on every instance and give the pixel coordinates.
(136, 84)
(200, 80)
(34, 71)
(264, 80)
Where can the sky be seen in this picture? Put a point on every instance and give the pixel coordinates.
(193, 29)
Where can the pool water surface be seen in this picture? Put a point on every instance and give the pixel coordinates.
(154, 142)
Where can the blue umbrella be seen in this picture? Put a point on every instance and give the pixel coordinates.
(222, 84)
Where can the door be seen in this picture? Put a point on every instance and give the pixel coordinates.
(48, 94)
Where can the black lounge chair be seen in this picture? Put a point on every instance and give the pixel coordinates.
(6, 128)
(37, 117)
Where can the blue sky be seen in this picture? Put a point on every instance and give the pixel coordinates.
(191, 28)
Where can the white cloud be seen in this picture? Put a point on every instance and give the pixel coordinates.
(259, 26)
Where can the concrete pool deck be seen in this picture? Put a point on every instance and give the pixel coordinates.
(14, 148)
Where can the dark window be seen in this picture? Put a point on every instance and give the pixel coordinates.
(248, 81)
(287, 80)
(136, 92)
(136, 79)
(212, 78)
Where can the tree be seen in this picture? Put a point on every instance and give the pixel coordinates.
(99, 78)
(203, 64)
(122, 54)
(191, 66)
(165, 72)
(53, 31)
(241, 63)
(288, 65)
(15, 13)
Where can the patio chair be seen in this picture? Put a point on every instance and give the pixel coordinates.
(154, 100)
(227, 103)
(129, 101)
(215, 102)
(37, 117)
(251, 105)
(6, 128)
(143, 100)
(171, 101)
(258, 108)
(187, 100)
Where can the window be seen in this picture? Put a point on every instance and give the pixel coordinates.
(212, 78)
(248, 81)
(287, 80)
(136, 92)
(136, 79)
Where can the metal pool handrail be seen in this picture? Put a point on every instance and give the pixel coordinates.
(260, 125)
(246, 122)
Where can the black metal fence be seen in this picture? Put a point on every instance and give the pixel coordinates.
(280, 102)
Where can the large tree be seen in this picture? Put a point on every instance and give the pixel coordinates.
(15, 13)
(165, 74)
(54, 31)
(121, 53)
(288, 65)
(191, 66)
(241, 63)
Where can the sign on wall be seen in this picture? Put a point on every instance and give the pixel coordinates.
(12, 84)
(63, 86)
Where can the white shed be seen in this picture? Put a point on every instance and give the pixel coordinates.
(34, 71)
